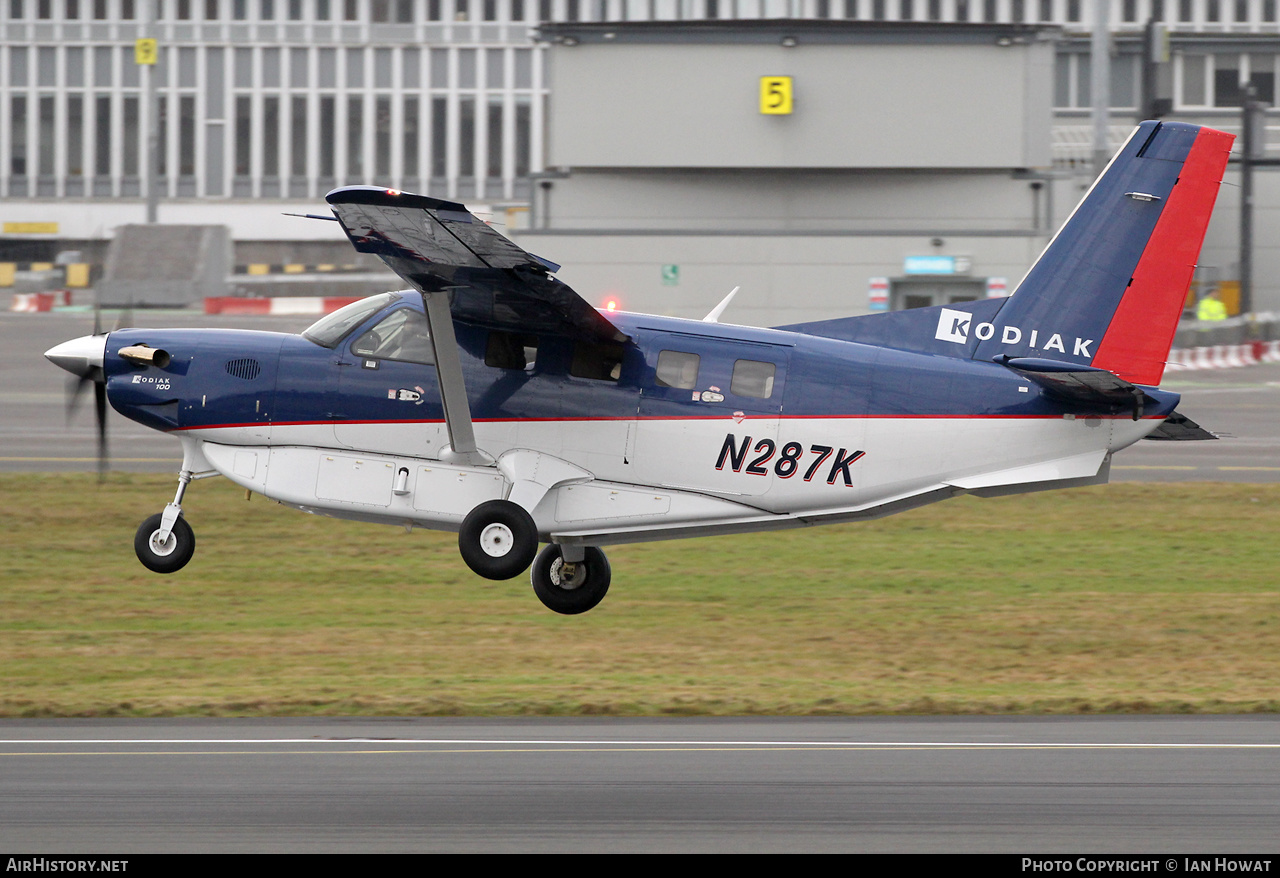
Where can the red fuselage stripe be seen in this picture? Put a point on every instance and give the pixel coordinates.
(752, 417)
(1141, 331)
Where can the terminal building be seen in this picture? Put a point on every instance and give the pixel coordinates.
(932, 147)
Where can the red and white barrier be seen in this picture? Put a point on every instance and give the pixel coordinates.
(36, 302)
(277, 306)
(1224, 356)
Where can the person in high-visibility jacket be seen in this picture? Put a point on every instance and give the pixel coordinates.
(1211, 307)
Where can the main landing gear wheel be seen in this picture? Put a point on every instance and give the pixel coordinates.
(579, 590)
(169, 556)
(498, 539)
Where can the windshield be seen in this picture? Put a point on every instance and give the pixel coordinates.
(333, 328)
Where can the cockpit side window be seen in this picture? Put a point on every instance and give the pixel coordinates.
(401, 335)
(333, 328)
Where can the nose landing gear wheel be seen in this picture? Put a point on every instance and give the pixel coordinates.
(498, 539)
(169, 556)
(575, 592)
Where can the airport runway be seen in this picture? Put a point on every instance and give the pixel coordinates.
(1152, 785)
(1243, 404)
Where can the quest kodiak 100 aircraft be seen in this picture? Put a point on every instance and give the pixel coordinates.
(492, 400)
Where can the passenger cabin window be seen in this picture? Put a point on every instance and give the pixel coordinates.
(601, 361)
(511, 350)
(401, 335)
(678, 369)
(753, 378)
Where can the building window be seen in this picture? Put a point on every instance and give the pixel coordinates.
(1193, 80)
(328, 134)
(409, 139)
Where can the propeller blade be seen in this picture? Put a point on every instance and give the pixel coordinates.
(97, 315)
(100, 412)
(75, 389)
(125, 318)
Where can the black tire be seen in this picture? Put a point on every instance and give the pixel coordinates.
(498, 539)
(173, 555)
(592, 580)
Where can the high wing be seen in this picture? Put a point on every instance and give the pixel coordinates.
(440, 246)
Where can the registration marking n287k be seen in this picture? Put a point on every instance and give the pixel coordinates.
(789, 461)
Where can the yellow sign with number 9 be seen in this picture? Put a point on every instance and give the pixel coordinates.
(775, 95)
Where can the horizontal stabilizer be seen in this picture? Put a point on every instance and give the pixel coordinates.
(1179, 428)
(439, 245)
(1083, 385)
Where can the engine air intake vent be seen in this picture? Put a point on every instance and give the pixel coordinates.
(248, 369)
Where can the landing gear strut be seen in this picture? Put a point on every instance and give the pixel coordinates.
(570, 587)
(165, 542)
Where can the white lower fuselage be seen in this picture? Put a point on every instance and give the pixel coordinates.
(654, 479)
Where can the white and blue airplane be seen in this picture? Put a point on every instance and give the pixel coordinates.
(492, 400)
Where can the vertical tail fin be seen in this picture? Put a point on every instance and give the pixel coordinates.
(1109, 288)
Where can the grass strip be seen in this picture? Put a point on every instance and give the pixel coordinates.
(1129, 598)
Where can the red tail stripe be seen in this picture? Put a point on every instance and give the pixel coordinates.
(1141, 331)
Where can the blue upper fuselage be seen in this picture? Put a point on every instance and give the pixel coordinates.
(244, 378)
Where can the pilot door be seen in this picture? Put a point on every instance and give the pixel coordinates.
(708, 412)
(388, 395)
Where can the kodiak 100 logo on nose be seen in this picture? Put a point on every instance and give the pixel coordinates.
(956, 325)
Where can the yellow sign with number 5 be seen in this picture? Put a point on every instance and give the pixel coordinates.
(775, 95)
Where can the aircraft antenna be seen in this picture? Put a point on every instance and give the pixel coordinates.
(714, 316)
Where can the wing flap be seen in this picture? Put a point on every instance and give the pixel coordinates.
(440, 246)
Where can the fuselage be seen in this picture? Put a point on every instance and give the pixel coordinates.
(770, 420)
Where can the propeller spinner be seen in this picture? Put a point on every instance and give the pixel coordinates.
(83, 358)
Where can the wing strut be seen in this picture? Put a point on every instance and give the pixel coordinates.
(453, 390)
